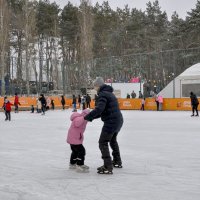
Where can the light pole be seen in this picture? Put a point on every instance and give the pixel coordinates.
(63, 73)
(173, 85)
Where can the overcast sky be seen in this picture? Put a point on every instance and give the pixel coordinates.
(180, 6)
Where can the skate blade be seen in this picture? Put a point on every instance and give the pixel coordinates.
(82, 171)
(105, 172)
(117, 166)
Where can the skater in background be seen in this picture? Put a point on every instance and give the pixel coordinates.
(7, 107)
(157, 102)
(4, 105)
(79, 101)
(108, 109)
(52, 104)
(194, 103)
(143, 104)
(83, 100)
(43, 103)
(48, 100)
(32, 109)
(39, 106)
(160, 102)
(74, 103)
(88, 100)
(16, 103)
(75, 139)
(63, 102)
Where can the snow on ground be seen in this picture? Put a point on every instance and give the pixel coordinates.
(160, 152)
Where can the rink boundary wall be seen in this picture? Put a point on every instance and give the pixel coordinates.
(178, 104)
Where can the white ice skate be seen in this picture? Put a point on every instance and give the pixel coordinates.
(72, 166)
(82, 168)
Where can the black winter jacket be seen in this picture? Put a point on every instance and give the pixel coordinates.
(194, 100)
(108, 109)
(43, 100)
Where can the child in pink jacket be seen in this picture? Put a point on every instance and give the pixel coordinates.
(75, 139)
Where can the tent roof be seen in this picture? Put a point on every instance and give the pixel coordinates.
(194, 70)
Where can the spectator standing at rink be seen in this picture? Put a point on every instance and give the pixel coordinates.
(194, 103)
(140, 95)
(133, 95)
(128, 96)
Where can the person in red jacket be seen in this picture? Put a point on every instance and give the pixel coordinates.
(16, 103)
(7, 107)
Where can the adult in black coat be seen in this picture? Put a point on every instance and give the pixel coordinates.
(194, 103)
(108, 109)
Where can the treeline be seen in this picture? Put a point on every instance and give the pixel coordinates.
(40, 41)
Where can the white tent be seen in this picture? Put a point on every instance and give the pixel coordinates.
(182, 85)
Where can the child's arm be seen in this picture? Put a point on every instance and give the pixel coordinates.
(78, 121)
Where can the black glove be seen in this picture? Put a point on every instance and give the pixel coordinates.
(88, 118)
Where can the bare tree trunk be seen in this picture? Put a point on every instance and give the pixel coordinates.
(4, 30)
(41, 59)
(86, 44)
(26, 48)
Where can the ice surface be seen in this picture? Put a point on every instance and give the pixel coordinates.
(160, 153)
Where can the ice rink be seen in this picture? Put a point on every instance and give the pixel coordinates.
(160, 153)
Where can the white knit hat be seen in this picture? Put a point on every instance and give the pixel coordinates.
(98, 82)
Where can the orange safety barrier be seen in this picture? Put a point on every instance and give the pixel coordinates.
(24, 101)
(124, 104)
(150, 104)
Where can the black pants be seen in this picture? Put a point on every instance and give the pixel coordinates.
(157, 105)
(110, 138)
(8, 116)
(83, 106)
(88, 104)
(16, 108)
(32, 110)
(77, 155)
(43, 108)
(195, 108)
(142, 108)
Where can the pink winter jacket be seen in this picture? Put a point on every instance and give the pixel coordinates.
(160, 99)
(77, 128)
